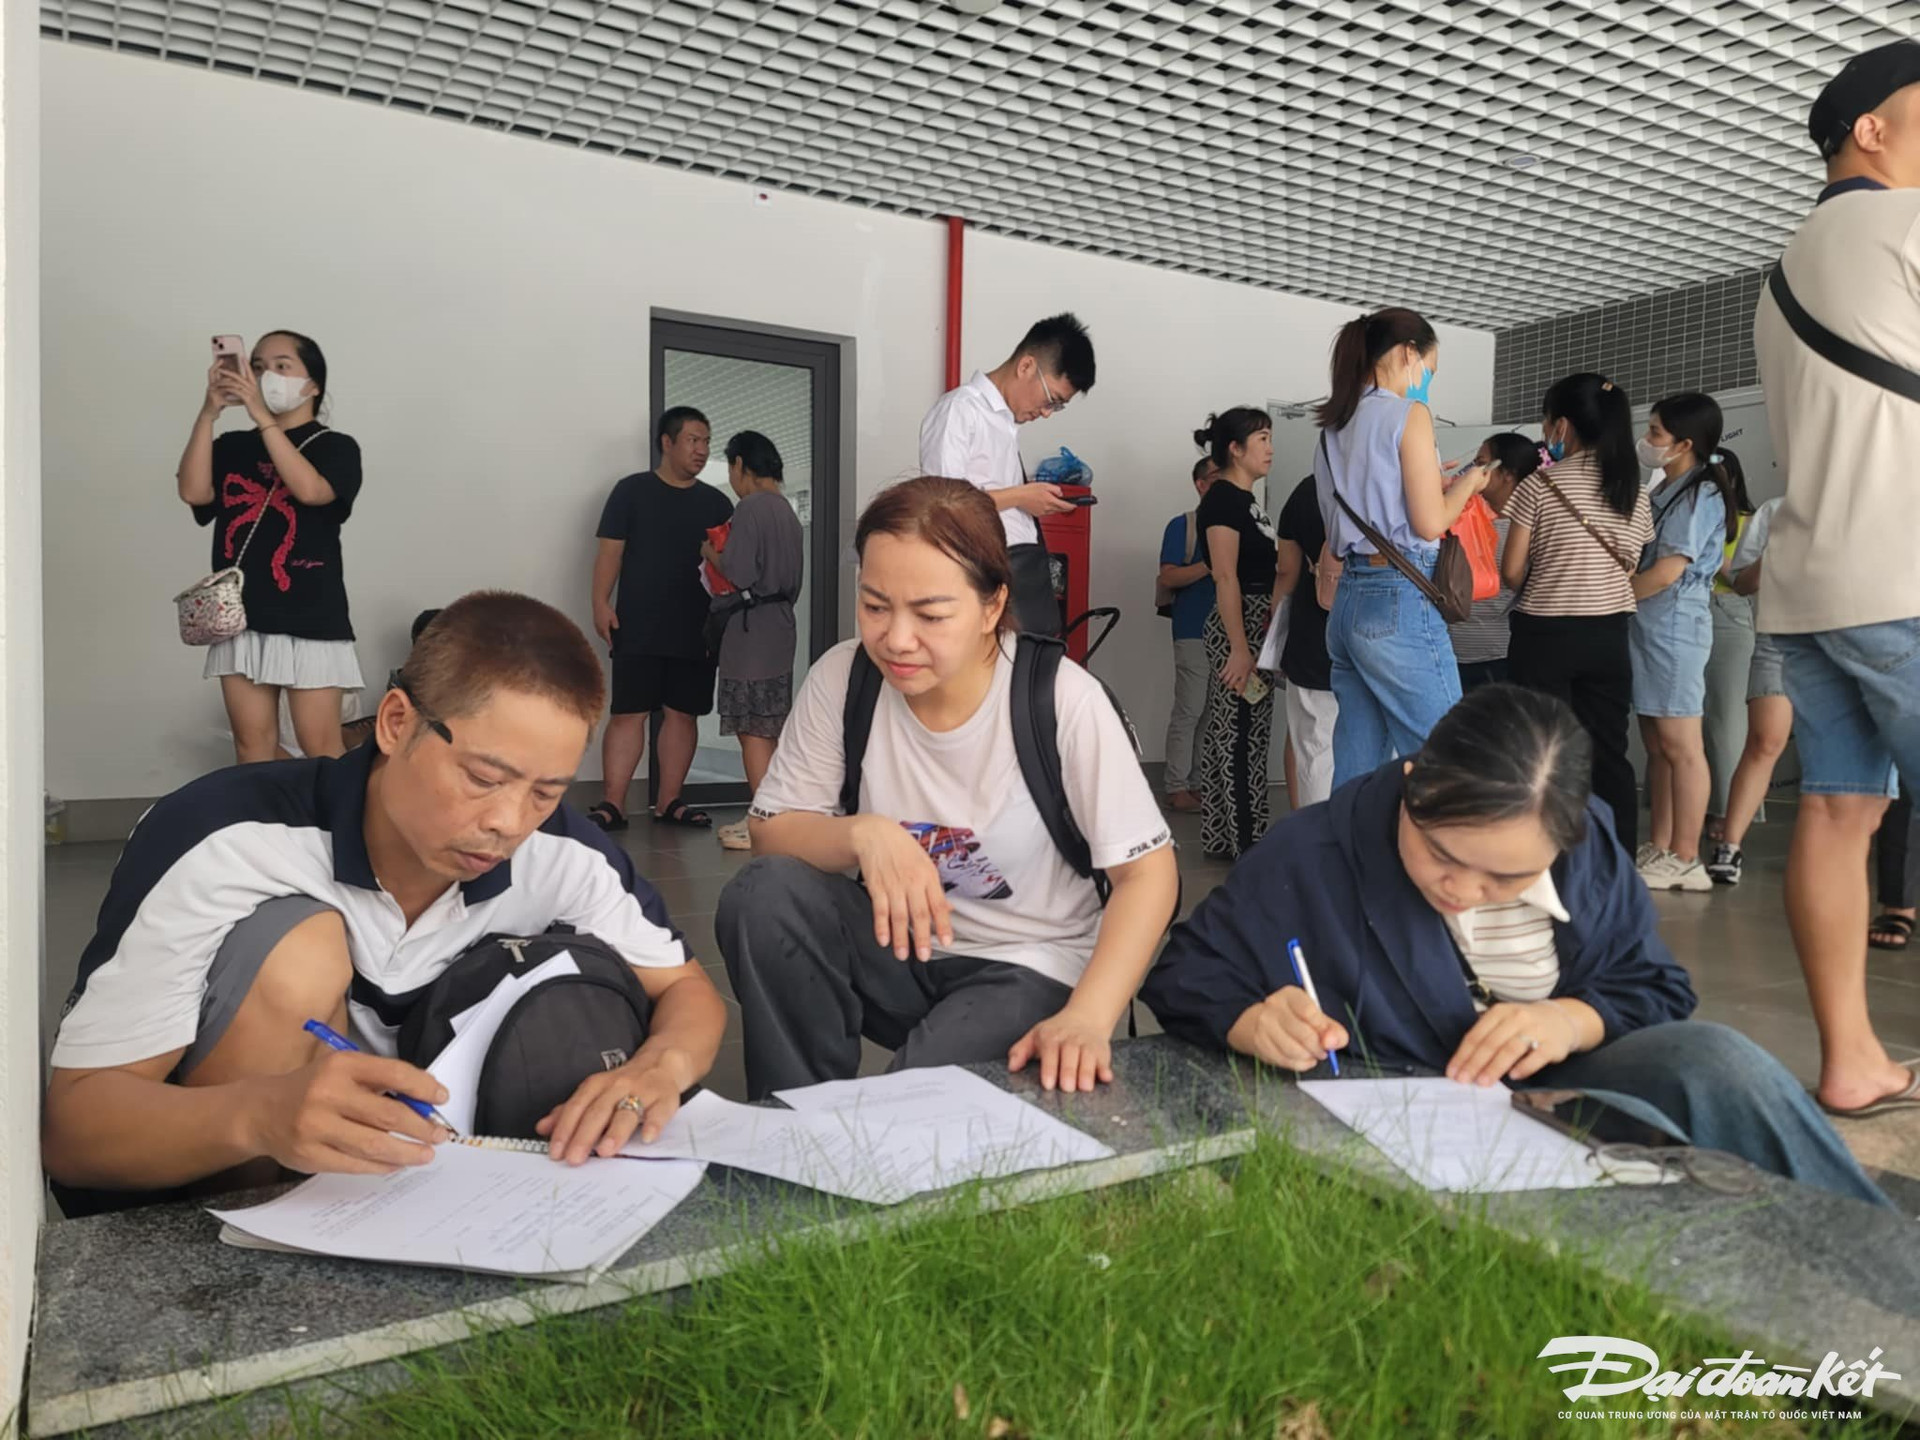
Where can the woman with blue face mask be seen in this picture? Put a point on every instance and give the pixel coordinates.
(1575, 529)
(276, 491)
(1672, 632)
(1377, 469)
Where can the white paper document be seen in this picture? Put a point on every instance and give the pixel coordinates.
(881, 1140)
(1459, 1138)
(458, 1066)
(1276, 640)
(498, 1211)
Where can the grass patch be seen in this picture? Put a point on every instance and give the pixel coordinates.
(1271, 1302)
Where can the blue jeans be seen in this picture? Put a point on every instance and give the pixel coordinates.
(1717, 1090)
(1393, 668)
(1856, 705)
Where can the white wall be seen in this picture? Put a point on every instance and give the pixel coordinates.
(484, 302)
(21, 823)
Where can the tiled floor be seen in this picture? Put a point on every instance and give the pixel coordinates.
(1734, 942)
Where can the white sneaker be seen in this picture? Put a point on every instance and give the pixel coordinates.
(1645, 855)
(1657, 865)
(1670, 872)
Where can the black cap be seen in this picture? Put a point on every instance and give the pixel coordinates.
(1862, 86)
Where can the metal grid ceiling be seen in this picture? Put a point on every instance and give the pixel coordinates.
(1354, 151)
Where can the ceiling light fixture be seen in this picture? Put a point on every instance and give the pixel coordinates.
(974, 7)
(1522, 161)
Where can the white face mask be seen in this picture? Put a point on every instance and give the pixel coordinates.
(1651, 455)
(283, 392)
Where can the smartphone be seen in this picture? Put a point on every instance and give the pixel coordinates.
(1591, 1121)
(1256, 689)
(228, 350)
(1081, 499)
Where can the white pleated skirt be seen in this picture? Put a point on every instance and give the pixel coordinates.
(287, 662)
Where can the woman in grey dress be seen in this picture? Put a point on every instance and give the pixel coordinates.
(764, 557)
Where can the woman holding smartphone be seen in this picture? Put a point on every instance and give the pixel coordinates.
(289, 477)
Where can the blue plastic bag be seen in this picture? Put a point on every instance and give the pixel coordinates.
(1066, 468)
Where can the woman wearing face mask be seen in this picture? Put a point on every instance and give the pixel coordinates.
(1575, 532)
(1467, 913)
(1238, 546)
(1480, 641)
(1376, 467)
(966, 935)
(1672, 633)
(296, 480)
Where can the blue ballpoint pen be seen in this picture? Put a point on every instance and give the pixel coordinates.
(1305, 977)
(334, 1040)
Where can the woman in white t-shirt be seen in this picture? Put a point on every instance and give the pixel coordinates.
(966, 936)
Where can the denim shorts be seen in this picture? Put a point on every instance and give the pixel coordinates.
(1856, 706)
(1671, 638)
(1764, 677)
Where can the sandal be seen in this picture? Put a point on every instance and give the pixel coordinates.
(608, 816)
(678, 813)
(1897, 930)
(1907, 1099)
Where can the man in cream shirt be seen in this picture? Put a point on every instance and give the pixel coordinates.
(1840, 592)
(973, 434)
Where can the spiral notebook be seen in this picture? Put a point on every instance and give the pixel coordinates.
(499, 1207)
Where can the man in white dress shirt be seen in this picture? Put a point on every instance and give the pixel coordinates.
(973, 434)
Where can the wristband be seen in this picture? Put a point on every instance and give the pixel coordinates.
(1567, 1016)
(270, 425)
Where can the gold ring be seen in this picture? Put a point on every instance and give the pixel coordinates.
(632, 1102)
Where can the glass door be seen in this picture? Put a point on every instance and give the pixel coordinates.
(787, 388)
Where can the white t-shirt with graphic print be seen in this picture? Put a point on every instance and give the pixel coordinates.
(961, 794)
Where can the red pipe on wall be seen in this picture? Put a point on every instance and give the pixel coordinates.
(956, 274)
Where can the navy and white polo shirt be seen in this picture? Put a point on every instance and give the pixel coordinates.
(208, 855)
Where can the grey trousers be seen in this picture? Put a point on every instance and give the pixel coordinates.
(811, 980)
(1184, 729)
(1725, 726)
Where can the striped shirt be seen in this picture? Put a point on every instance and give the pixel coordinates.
(1510, 946)
(1568, 571)
(209, 855)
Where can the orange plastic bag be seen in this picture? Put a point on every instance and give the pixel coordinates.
(717, 583)
(1481, 541)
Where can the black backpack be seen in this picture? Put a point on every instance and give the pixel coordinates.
(1036, 741)
(555, 1036)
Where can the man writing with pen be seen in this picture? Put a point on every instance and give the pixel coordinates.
(1468, 912)
(261, 898)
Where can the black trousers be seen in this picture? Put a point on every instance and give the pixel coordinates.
(1895, 855)
(1584, 660)
(1033, 603)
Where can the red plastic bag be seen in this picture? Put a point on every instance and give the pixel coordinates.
(1481, 541)
(717, 536)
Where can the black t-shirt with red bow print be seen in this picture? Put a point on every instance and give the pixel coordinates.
(293, 583)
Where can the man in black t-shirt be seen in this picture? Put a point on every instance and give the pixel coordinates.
(650, 538)
(1311, 708)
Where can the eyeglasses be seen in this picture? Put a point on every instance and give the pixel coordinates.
(1713, 1170)
(397, 680)
(1053, 406)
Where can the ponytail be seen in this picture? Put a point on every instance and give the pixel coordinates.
(1230, 428)
(1358, 348)
(1602, 416)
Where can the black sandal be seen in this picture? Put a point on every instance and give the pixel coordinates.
(608, 816)
(1900, 927)
(679, 814)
